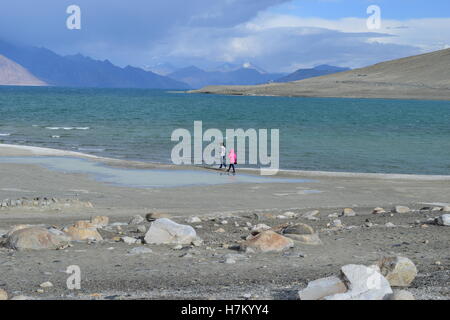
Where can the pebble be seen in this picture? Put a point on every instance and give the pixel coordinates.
(46, 284)
(401, 209)
(194, 220)
(390, 225)
(3, 295)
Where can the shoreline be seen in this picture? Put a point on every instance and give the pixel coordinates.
(11, 150)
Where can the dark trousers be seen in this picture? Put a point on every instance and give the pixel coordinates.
(231, 165)
(223, 164)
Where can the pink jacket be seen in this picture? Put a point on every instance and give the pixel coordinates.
(232, 156)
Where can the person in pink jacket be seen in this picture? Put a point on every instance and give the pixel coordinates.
(233, 160)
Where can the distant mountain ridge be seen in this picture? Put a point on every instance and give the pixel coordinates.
(81, 71)
(318, 71)
(226, 74)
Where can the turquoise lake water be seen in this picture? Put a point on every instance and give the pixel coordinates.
(354, 135)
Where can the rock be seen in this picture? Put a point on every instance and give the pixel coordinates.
(140, 250)
(401, 295)
(446, 209)
(47, 284)
(389, 225)
(364, 283)
(290, 214)
(267, 241)
(193, 220)
(136, 219)
(348, 212)
(320, 288)
(36, 238)
(155, 215)
(302, 233)
(83, 230)
(260, 227)
(333, 215)
(401, 209)
(141, 229)
(311, 215)
(399, 271)
(100, 221)
(165, 231)
(129, 240)
(436, 209)
(230, 261)
(220, 230)
(378, 210)
(443, 220)
(197, 242)
(3, 295)
(336, 224)
(281, 217)
(17, 228)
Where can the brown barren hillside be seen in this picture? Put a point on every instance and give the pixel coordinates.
(425, 76)
(13, 74)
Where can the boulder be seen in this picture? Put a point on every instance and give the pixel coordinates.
(136, 219)
(364, 283)
(402, 295)
(443, 220)
(399, 271)
(320, 288)
(3, 295)
(83, 230)
(348, 212)
(401, 209)
(17, 228)
(165, 231)
(36, 238)
(267, 241)
(446, 209)
(100, 221)
(302, 233)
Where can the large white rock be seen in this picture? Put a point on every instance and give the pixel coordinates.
(165, 231)
(364, 283)
(444, 220)
(320, 288)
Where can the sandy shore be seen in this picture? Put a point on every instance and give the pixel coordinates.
(109, 271)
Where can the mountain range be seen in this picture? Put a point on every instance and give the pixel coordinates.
(26, 65)
(81, 71)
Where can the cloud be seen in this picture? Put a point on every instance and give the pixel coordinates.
(206, 33)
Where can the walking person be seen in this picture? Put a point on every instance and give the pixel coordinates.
(223, 153)
(233, 160)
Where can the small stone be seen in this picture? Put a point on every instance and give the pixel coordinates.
(261, 227)
(100, 221)
(267, 241)
(150, 217)
(220, 230)
(336, 224)
(178, 247)
(129, 240)
(401, 209)
(140, 250)
(290, 214)
(436, 209)
(136, 219)
(333, 215)
(443, 220)
(230, 261)
(281, 217)
(46, 284)
(348, 212)
(378, 210)
(438, 263)
(193, 220)
(40, 291)
(3, 295)
(402, 295)
(311, 215)
(224, 222)
(197, 242)
(399, 271)
(446, 209)
(389, 225)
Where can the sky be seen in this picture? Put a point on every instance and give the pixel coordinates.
(276, 35)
